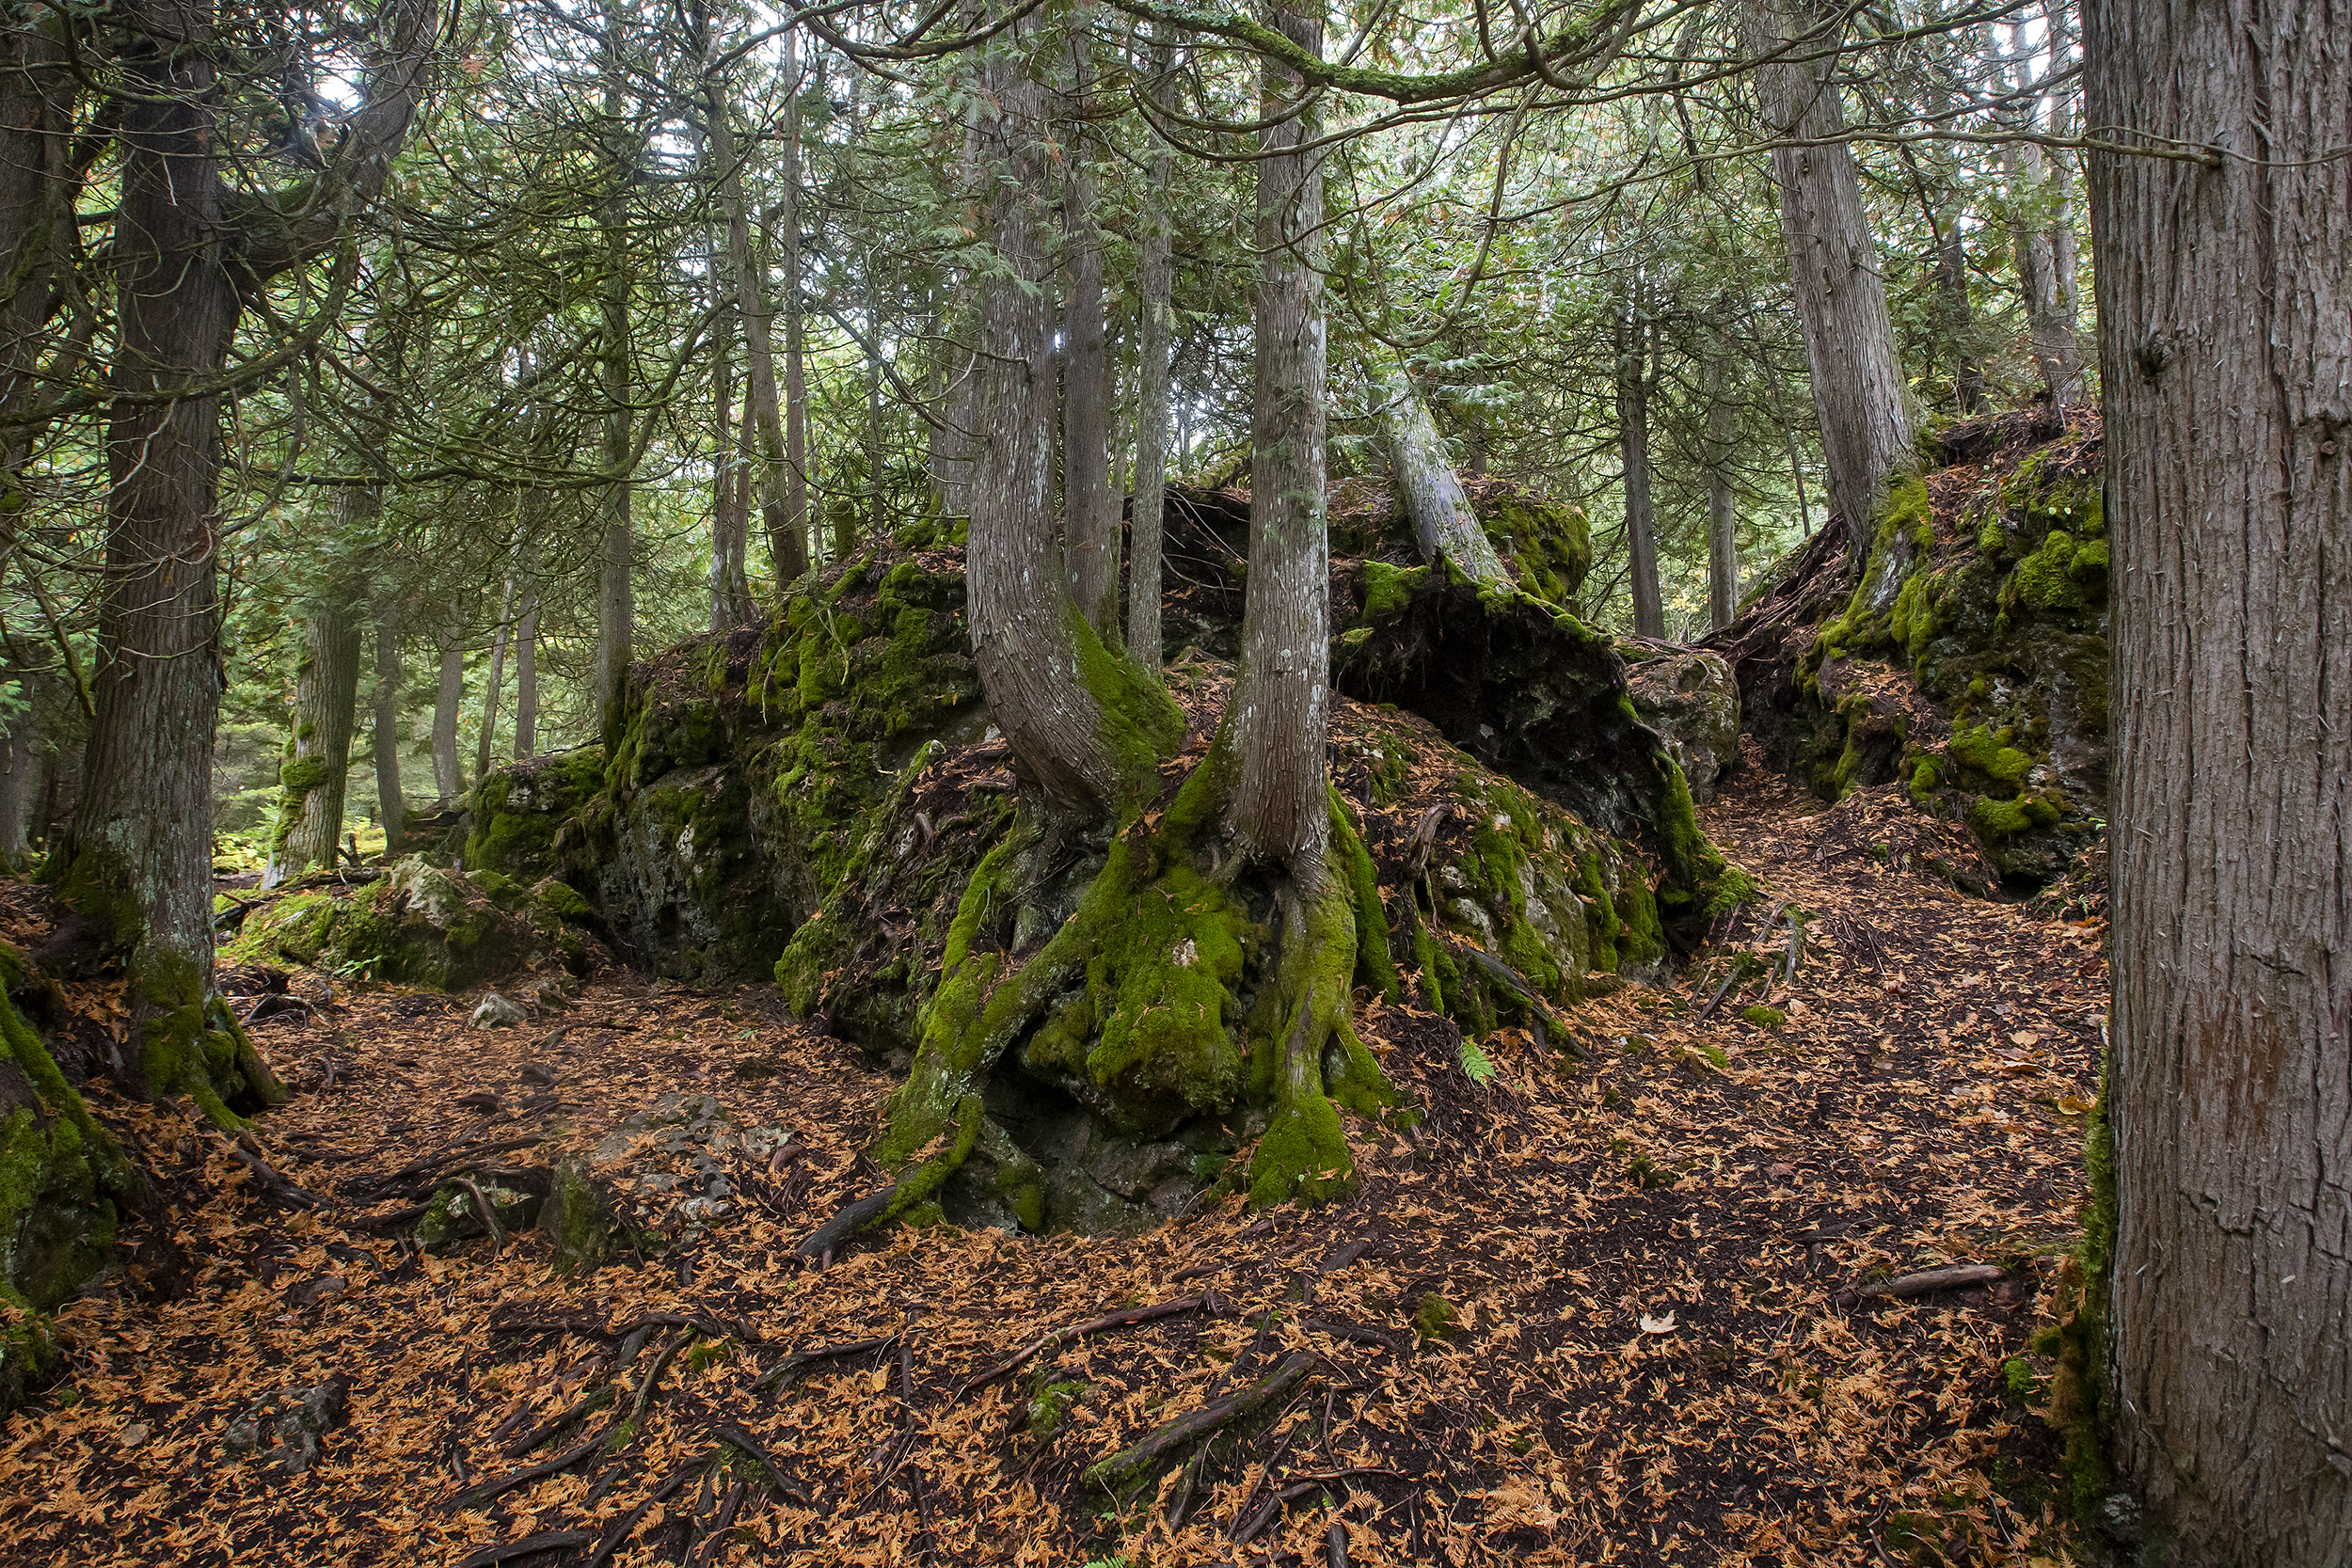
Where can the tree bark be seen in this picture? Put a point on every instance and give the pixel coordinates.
(16, 783)
(1027, 633)
(615, 606)
(788, 543)
(527, 673)
(1723, 512)
(318, 760)
(1650, 615)
(1280, 807)
(37, 230)
(485, 738)
(1444, 522)
(1858, 388)
(1091, 517)
(449, 771)
(2049, 323)
(1155, 285)
(2225, 323)
(790, 547)
(391, 808)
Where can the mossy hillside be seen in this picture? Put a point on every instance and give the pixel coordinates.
(1548, 545)
(1532, 693)
(1994, 610)
(748, 769)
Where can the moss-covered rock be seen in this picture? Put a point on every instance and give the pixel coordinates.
(1691, 698)
(515, 811)
(1548, 545)
(1970, 660)
(421, 924)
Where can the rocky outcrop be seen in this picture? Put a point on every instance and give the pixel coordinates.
(424, 925)
(1968, 657)
(1689, 698)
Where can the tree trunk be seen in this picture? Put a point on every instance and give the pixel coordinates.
(485, 738)
(723, 477)
(1650, 615)
(1155, 284)
(36, 229)
(1954, 318)
(790, 547)
(1091, 517)
(2225, 321)
(391, 808)
(1052, 689)
(788, 542)
(16, 784)
(449, 772)
(1444, 522)
(526, 674)
(138, 854)
(616, 608)
(2049, 323)
(1858, 388)
(1276, 718)
(318, 753)
(1723, 514)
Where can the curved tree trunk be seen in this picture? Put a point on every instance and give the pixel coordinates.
(1444, 523)
(1155, 303)
(2225, 321)
(391, 807)
(1858, 388)
(318, 759)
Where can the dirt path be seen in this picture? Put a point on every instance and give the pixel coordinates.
(1655, 1262)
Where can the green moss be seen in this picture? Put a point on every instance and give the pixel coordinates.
(301, 775)
(1374, 966)
(1435, 1318)
(1763, 1017)
(1923, 782)
(1732, 889)
(1136, 721)
(2045, 581)
(1989, 752)
(1994, 819)
(1547, 546)
(1049, 1409)
(1389, 589)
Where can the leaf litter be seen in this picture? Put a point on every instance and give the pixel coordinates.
(1614, 1303)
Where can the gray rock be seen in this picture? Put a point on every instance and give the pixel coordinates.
(286, 1425)
(495, 1012)
(1691, 698)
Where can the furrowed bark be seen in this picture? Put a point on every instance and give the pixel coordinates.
(2225, 324)
(1155, 303)
(527, 674)
(1858, 388)
(1091, 517)
(449, 772)
(1640, 537)
(1276, 718)
(326, 689)
(789, 543)
(485, 738)
(1723, 514)
(615, 606)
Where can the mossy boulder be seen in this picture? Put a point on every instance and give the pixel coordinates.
(1548, 545)
(515, 811)
(421, 924)
(1689, 698)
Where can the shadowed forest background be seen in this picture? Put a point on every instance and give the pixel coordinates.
(1112, 783)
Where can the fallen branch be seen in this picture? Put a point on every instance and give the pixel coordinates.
(1296, 1490)
(1958, 1277)
(380, 1222)
(1356, 1332)
(475, 1497)
(612, 1539)
(752, 1446)
(1130, 1462)
(547, 1541)
(798, 1359)
(556, 1424)
(1123, 1318)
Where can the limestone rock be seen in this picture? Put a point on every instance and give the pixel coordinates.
(495, 1012)
(285, 1426)
(1689, 698)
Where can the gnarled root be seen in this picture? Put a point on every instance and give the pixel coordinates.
(1155, 1000)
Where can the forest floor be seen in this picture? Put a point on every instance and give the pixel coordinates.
(1614, 1307)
